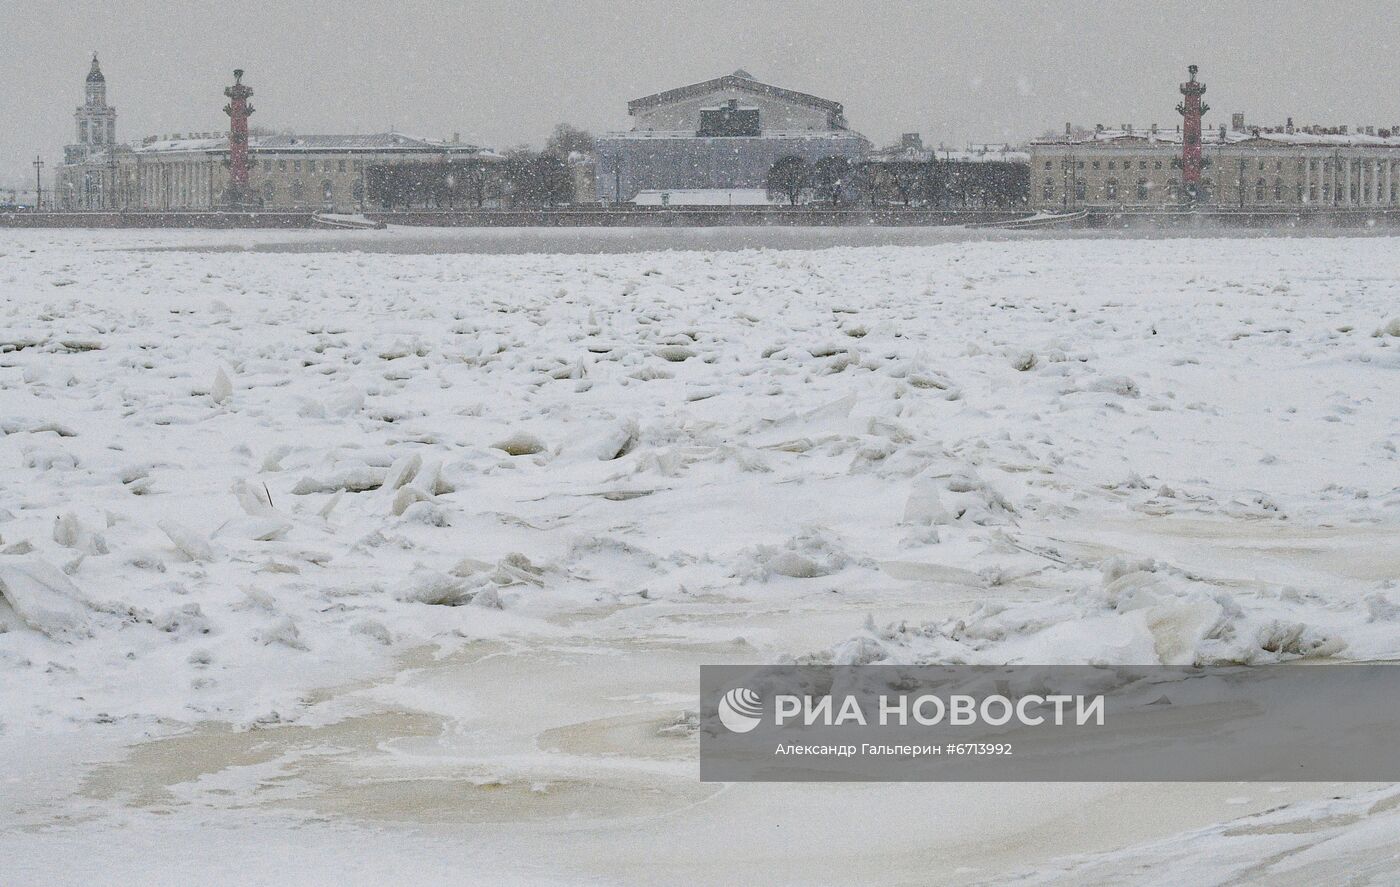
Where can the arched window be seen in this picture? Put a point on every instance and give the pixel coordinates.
(1173, 189)
(1049, 193)
(327, 191)
(1142, 189)
(1278, 190)
(357, 191)
(1110, 189)
(1260, 187)
(297, 193)
(1079, 189)
(269, 192)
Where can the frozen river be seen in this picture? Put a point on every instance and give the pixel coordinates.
(412, 542)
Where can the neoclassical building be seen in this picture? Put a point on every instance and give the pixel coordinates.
(190, 172)
(723, 133)
(1243, 166)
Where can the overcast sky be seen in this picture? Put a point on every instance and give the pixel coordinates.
(503, 72)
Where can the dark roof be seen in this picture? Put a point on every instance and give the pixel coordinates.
(739, 80)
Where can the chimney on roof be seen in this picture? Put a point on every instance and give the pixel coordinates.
(1370, 130)
(1237, 122)
(1288, 127)
(1068, 129)
(911, 140)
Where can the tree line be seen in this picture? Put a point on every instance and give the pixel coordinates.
(523, 177)
(836, 181)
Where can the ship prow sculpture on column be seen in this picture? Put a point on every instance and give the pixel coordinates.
(239, 196)
(1191, 109)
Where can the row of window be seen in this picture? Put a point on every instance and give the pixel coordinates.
(297, 191)
(1326, 163)
(1262, 191)
(340, 165)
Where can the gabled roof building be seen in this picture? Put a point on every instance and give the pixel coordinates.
(723, 133)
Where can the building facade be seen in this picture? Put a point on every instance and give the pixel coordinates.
(1237, 166)
(724, 133)
(191, 172)
(1274, 167)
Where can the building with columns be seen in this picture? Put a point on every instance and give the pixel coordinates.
(190, 171)
(724, 133)
(1284, 166)
(1241, 166)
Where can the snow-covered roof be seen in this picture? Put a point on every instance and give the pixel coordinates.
(767, 134)
(375, 142)
(703, 197)
(1310, 136)
(970, 154)
(741, 81)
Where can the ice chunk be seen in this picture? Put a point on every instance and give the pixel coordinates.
(194, 546)
(222, 388)
(70, 532)
(520, 443)
(43, 597)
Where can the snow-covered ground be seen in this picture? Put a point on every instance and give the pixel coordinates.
(324, 565)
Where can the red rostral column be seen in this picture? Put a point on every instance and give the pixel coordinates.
(238, 110)
(1191, 108)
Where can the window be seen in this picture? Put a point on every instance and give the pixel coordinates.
(327, 191)
(296, 166)
(1079, 188)
(1110, 189)
(358, 165)
(267, 166)
(269, 191)
(1157, 164)
(357, 191)
(282, 165)
(1047, 164)
(1173, 189)
(1278, 190)
(1259, 189)
(1081, 164)
(297, 192)
(1261, 165)
(1142, 164)
(1096, 165)
(340, 165)
(310, 166)
(1142, 189)
(1049, 192)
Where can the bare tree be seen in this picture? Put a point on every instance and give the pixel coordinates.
(871, 181)
(788, 177)
(567, 139)
(904, 177)
(831, 177)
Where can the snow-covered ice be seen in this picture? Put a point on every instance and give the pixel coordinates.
(333, 541)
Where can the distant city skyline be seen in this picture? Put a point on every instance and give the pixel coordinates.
(502, 73)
